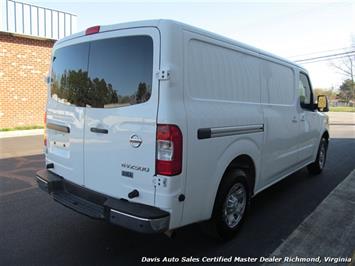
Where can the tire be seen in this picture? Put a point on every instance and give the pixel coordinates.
(317, 166)
(235, 192)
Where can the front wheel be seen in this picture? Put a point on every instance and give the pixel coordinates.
(232, 203)
(317, 166)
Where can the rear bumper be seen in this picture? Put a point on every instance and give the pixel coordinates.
(134, 216)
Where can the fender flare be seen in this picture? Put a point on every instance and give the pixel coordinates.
(245, 146)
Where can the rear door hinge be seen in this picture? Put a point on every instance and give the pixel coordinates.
(163, 74)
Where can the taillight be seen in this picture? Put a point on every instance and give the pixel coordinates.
(45, 129)
(92, 30)
(169, 150)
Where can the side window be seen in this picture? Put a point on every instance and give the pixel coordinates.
(305, 92)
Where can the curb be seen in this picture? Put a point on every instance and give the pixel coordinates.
(328, 232)
(21, 133)
(342, 124)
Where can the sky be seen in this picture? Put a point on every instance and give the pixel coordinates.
(291, 29)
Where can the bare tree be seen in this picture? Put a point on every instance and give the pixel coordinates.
(346, 67)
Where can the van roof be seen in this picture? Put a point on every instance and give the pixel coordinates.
(166, 22)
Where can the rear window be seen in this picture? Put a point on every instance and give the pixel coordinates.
(105, 73)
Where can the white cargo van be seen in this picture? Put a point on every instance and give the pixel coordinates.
(154, 125)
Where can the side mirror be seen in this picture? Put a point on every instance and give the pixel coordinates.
(322, 103)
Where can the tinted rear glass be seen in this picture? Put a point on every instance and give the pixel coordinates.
(105, 73)
(69, 74)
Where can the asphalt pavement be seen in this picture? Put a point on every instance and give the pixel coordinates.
(35, 230)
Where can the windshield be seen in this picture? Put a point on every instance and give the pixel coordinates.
(105, 73)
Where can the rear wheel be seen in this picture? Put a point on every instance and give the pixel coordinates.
(317, 166)
(232, 203)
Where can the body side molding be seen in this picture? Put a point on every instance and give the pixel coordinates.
(206, 133)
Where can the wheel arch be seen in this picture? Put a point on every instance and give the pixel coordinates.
(246, 163)
(325, 135)
(244, 152)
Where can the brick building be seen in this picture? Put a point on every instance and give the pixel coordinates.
(24, 62)
(27, 35)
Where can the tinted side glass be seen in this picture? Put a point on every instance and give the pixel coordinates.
(120, 71)
(69, 75)
(305, 90)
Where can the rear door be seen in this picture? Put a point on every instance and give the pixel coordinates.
(66, 111)
(121, 111)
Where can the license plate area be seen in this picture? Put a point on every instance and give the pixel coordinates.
(58, 143)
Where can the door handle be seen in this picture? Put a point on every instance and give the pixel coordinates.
(294, 119)
(99, 130)
(302, 118)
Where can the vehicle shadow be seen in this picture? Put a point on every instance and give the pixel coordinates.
(275, 213)
(76, 239)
